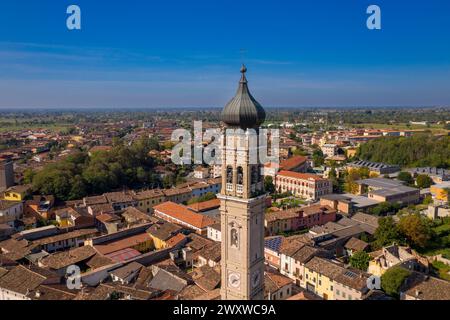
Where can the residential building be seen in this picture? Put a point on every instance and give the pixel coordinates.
(329, 150)
(10, 211)
(354, 245)
(148, 199)
(276, 286)
(65, 240)
(215, 232)
(296, 219)
(396, 255)
(429, 288)
(303, 185)
(332, 281)
(121, 200)
(201, 173)
(20, 282)
(162, 232)
(17, 193)
(127, 273)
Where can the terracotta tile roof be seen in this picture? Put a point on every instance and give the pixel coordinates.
(124, 243)
(99, 261)
(118, 197)
(148, 194)
(106, 217)
(132, 214)
(176, 191)
(325, 267)
(63, 259)
(292, 163)
(206, 277)
(95, 200)
(101, 208)
(205, 205)
(183, 214)
(21, 279)
(163, 230)
(297, 175)
(210, 252)
(176, 240)
(430, 289)
(356, 244)
(274, 281)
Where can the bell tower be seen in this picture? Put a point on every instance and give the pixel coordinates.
(242, 199)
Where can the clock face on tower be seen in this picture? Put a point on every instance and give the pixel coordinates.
(234, 279)
(256, 278)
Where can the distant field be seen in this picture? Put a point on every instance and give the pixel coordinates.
(10, 125)
(402, 126)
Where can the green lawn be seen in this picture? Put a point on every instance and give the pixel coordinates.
(442, 269)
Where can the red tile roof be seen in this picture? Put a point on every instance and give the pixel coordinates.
(293, 162)
(176, 240)
(183, 214)
(205, 205)
(297, 175)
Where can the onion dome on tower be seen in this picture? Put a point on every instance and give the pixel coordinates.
(243, 111)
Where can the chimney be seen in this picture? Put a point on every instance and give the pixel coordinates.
(37, 294)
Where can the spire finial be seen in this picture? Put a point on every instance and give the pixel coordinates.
(243, 71)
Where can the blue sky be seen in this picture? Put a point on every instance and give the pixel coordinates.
(145, 53)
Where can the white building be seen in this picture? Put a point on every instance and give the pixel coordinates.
(329, 150)
(214, 232)
(10, 211)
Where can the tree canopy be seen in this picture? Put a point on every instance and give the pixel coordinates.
(419, 150)
(392, 280)
(360, 260)
(79, 175)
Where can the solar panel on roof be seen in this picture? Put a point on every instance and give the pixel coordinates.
(350, 274)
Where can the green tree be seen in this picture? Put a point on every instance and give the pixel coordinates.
(28, 175)
(384, 208)
(419, 150)
(386, 233)
(78, 189)
(393, 279)
(406, 177)
(268, 184)
(318, 157)
(360, 260)
(416, 229)
(423, 181)
(206, 197)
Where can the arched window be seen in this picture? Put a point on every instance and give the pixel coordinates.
(254, 175)
(229, 174)
(240, 175)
